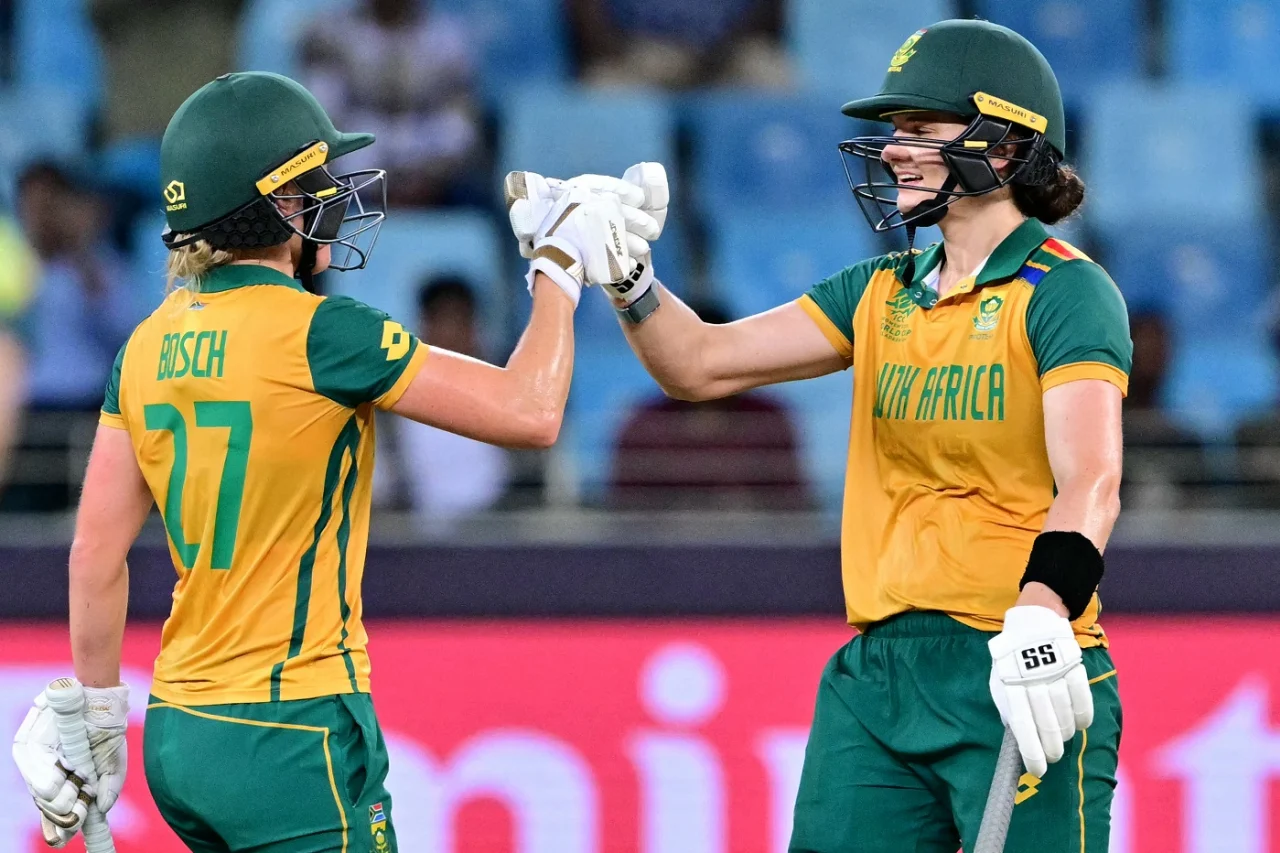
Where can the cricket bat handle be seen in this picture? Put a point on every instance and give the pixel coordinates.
(66, 697)
(1000, 798)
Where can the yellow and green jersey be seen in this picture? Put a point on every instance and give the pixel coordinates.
(250, 408)
(948, 477)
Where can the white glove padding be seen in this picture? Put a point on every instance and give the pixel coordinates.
(651, 178)
(529, 198)
(60, 794)
(1039, 683)
(580, 242)
(106, 715)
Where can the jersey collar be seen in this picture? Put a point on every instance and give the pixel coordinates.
(1012, 252)
(1003, 263)
(231, 276)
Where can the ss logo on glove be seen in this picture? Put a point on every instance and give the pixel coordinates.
(1038, 656)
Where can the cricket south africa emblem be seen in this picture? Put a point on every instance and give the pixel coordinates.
(988, 313)
(378, 828)
(903, 55)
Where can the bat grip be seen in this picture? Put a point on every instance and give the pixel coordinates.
(1001, 797)
(66, 697)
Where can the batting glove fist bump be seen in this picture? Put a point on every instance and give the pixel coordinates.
(642, 193)
(581, 242)
(1039, 683)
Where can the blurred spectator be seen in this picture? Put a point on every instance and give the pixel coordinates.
(82, 310)
(17, 272)
(443, 475)
(400, 70)
(1164, 464)
(677, 44)
(156, 53)
(735, 453)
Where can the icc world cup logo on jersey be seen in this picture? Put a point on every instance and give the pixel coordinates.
(894, 326)
(988, 314)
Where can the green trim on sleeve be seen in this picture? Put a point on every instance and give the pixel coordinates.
(355, 352)
(839, 295)
(1078, 315)
(111, 399)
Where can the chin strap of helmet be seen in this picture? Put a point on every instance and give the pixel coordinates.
(926, 213)
(307, 266)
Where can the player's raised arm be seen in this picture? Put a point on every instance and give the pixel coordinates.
(694, 360)
(690, 359)
(522, 404)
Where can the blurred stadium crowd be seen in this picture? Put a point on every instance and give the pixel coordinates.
(1173, 107)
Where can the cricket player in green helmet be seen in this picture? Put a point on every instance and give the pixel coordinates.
(983, 467)
(243, 408)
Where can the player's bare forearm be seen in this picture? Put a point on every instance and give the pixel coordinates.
(541, 366)
(693, 360)
(520, 405)
(99, 601)
(113, 506)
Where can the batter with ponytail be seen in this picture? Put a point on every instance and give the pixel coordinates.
(983, 468)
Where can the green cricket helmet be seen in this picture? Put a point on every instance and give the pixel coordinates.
(231, 149)
(982, 72)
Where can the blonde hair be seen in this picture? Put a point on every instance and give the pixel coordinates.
(189, 264)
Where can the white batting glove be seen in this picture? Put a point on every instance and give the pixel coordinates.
(651, 178)
(60, 794)
(581, 243)
(106, 715)
(1039, 683)
(529, 198)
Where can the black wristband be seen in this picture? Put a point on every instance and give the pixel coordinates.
(1069, 564)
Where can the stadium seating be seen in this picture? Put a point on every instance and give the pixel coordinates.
(414, 245)
(54, 46)
(1085, 41)
(841, 48)
(1215, 383)
(567, 131)
(767, 151)
(760, 260)
(608, 382)
(522, 41)
(1226, 42)
(1149, 159)
(39, 123)
(132, 164)
(270, 32)
(149, 258)
(1205, 276)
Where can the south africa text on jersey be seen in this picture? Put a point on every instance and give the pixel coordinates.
(949, 392)
(199, 353)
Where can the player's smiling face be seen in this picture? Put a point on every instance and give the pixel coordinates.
(917, 166)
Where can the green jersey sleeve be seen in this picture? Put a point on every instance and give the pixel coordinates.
(111, 399)
(357, 354)
(1077, 316)
(839, 295)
